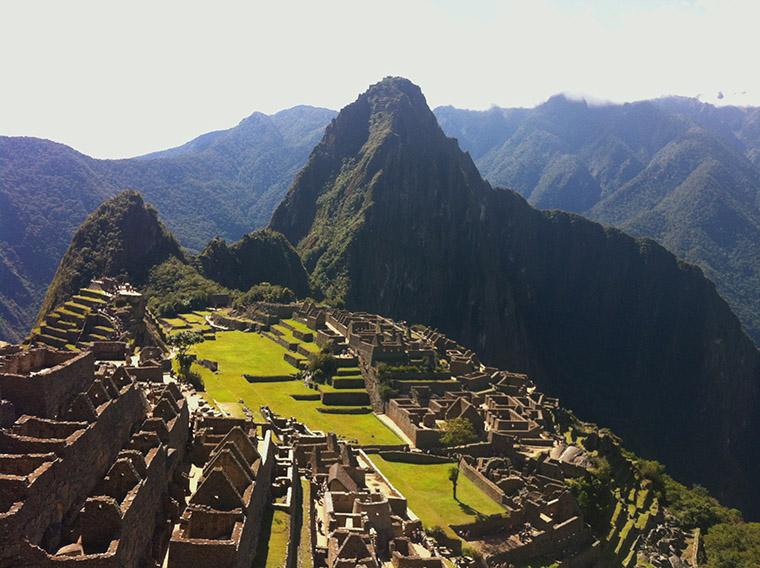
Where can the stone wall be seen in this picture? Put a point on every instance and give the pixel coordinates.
(80, 464)
(49, 391)
(483, 483)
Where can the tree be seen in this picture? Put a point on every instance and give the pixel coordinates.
(458, 432)
(182, 342)
(454, 478)
(322, 367)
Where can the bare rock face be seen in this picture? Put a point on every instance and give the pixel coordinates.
(390, 216)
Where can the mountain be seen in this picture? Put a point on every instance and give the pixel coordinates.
(121, 238)
(224, 183)
(124, 238)
(677, 170)
(390, 216)
(261, 256)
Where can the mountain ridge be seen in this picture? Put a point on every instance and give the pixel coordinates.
(640, 167)
(225, 189)
(616, 326)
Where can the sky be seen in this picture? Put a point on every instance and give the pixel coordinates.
(119, 79)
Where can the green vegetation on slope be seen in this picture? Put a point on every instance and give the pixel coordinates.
(678, 170)
(223, 183)
(261, 256)
(122, 238)
(174, 287)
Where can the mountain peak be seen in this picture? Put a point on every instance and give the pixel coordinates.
(367, 156)
(122, 237)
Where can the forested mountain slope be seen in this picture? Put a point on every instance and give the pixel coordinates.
(223, 183)
(390, 216)
(680, 171)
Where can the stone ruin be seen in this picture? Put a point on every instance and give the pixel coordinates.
(356, 517)
(90, 463)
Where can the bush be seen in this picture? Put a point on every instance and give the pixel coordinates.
(458, 432)
(695, 507)
(733, 545)
(265, 292)
(322, 366)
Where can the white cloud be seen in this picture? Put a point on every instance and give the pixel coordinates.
(119, 79)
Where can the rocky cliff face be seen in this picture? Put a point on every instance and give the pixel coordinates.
(390, 216)
(261, 256)
(123, 237)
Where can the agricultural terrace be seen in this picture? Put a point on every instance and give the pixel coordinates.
(239, 353)
(428, 491)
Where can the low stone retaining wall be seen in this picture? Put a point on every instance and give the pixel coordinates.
(345, 398)
(231, 323)
(307, 337)
(267, 378)
(339, 410)
(293, 360)
(348, 382)
(415, 457)
(315, 396)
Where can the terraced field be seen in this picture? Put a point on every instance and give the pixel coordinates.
(239, 353)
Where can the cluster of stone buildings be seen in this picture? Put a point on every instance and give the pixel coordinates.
(354, 515)
(106, 461)
(518, 457)
(91, 459)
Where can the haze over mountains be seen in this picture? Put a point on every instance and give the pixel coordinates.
(682, 172)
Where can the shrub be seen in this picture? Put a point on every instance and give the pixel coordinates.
(265, 292)
(458, 432)
(322, 366)
(730, 545)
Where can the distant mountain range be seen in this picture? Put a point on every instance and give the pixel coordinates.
(223, 183)
(390, 216)
(682, 172)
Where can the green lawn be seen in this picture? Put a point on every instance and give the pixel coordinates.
(304, 547)
(300, 326)
(428, 492)
(238, 352)
(273, 544)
